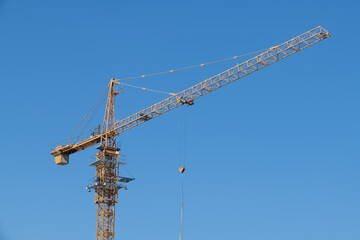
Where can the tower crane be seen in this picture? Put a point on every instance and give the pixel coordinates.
(107, 179)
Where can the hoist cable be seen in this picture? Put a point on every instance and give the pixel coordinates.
(189, 67)
(185, 131)
(182, 169)
(182, 209)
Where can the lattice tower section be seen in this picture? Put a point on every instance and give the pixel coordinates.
(107, 173)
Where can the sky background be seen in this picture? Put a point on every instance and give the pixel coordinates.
(274, 156)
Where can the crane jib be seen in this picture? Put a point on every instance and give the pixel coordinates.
(188, 96)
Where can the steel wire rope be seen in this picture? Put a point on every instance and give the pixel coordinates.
(148, 75)
(94, 112)
(146, 89)
(182, 209)
(189, 67)
(101, 96)
(182, 168)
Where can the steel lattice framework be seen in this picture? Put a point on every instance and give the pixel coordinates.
(107, 159)
(107, 173)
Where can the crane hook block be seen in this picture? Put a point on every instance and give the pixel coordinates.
(182, 169)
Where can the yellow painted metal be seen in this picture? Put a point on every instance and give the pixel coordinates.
(107, 171)
(188, 96)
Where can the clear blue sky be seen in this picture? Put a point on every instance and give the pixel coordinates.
(274, 156)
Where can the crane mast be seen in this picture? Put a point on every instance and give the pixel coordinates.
(107, 172)
(107, 180)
